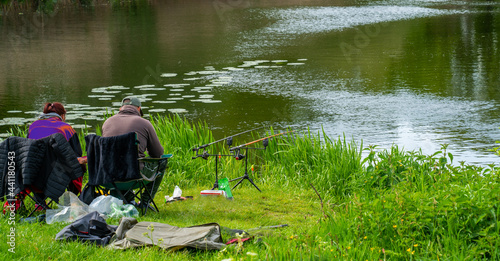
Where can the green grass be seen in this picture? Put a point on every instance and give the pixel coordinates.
(391, 205)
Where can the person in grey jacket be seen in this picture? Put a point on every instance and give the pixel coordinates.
(129, 119)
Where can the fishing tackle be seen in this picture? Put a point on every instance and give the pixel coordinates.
(229, 142)
(265, 141)
(205, 155)
(239, 156)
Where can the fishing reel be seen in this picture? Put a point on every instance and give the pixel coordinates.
(203, 155)
(238, 155)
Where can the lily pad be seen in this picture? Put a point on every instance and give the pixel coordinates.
(157, 110)
(177, 110)
(164, 102)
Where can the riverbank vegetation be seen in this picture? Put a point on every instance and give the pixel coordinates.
(339, 205)
(16, 7)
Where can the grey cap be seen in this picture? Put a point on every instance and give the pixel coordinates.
(132, 100)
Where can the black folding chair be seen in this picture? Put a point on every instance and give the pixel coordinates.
(114, 166)
(42, 170)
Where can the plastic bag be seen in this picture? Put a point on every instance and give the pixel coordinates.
(177, 192)
(69, 209)
(102, 204)
(127, 210)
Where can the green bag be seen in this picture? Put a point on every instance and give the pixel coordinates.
(224, 185)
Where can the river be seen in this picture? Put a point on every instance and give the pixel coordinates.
(417, 74)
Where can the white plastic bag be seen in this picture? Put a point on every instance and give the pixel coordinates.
(69, 209)
(177, 192)
(102, 204)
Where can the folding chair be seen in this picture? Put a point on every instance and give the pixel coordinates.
(37, 170)
(114, 166)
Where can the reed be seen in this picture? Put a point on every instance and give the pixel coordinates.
(303, 158)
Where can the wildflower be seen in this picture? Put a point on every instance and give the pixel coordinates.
(251, 253)
(291, 237)
(416, 245)
(395, 226)
(372, 248)
(412, 252)
(408, 249)
(348, 247)
(383, 250)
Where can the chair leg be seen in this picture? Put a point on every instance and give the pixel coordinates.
(40, 202)
(151, 200)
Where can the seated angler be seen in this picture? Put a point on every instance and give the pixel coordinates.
(127, 120)
(51, 121)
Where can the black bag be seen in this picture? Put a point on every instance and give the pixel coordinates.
(88, 194)
(91, 228)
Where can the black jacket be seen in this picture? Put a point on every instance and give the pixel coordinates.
(111, 159)
(47, 164)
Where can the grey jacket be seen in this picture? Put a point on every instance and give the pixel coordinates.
(129, 120)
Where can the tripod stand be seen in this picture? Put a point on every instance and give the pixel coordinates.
(245, 176)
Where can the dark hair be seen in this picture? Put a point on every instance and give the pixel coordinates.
(56, 107)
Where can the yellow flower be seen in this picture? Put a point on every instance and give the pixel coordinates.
(395, 226)
(372, 248)
(348, 247)
(416, 245)
(365, 237)
(412, 252)
(408, 249)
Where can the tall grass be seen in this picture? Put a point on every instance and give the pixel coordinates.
(304, 158)
(391, 205)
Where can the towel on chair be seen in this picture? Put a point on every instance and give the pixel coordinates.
(112, 159)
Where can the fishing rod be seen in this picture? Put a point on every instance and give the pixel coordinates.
(229, 142)
(204, 155)
(265, 141)
(239, 156)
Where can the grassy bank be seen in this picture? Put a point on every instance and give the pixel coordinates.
(391, 205)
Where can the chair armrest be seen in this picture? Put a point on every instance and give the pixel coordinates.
(148, 159)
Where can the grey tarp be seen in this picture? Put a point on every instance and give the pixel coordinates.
(130, 234)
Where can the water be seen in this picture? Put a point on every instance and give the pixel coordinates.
(413, 73)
